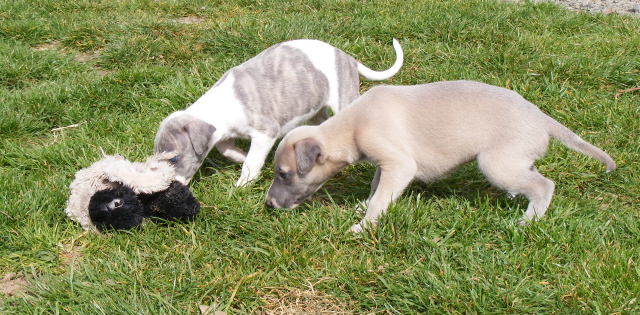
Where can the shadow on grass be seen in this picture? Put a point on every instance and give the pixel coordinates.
(352, 185)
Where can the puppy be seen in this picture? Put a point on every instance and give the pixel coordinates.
(424, 132)
(261, 100)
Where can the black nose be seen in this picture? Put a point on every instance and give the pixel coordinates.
(268, 203)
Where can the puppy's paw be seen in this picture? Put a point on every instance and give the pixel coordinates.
(245, 180)
(525, 220)
(361, 207)
(359, 227)
(242, 182)
(356, 228)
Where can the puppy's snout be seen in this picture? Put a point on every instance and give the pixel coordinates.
(269, 203)
(183, 180)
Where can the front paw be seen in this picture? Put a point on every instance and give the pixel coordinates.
(361, 207)
(359, 227)
(356, 228)
(242, 182)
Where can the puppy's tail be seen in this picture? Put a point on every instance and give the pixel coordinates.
(574, 142)
(383, 75)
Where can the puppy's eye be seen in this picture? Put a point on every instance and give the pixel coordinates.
(174, 159)
(283, 175)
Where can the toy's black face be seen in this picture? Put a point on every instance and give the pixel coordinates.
(121, 209)
(117, 208)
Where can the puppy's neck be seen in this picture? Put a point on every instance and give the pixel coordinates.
(340, 142)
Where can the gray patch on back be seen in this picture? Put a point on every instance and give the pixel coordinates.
(348, 78)
(277, 86)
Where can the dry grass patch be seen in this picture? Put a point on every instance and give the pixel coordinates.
(12, 283)
(90, 57)
(190, 20)
(288, 302)
(46, 46)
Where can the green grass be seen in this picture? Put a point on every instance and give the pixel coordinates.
(116, 68)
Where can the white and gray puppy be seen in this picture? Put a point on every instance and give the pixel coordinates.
(424, 132)
(261, 100)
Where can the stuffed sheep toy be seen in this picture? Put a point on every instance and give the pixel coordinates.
(114, 193)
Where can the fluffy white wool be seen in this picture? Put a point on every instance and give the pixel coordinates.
(111, 171)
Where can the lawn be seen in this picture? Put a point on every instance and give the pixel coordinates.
(80, 75)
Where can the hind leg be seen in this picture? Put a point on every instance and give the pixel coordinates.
(228, 149)
(519, 176)
(539, 193)
(320, 117)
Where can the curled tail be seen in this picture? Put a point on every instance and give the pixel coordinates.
(383, 75)
(574, 142)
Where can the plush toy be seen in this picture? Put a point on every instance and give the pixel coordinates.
(114, 193)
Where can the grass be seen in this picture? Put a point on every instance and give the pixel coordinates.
(117, 68)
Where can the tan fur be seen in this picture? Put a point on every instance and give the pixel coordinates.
(425, 132)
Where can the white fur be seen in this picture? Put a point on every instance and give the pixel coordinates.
(221, 108)
(383, 75)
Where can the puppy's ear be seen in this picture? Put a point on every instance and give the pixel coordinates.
(307, 151)
(200, 133)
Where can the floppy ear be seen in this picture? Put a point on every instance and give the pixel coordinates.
(200, 133)
(307, 152)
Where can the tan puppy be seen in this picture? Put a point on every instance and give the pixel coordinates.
(425, 132)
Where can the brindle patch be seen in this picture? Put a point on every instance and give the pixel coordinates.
(348, 78)
(277, 86)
